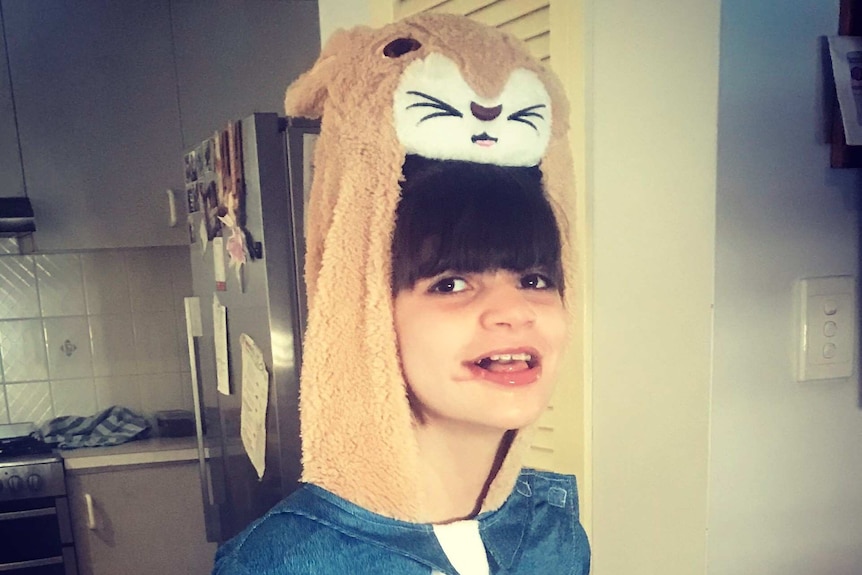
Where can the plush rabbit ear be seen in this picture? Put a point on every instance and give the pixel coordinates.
(307, 95)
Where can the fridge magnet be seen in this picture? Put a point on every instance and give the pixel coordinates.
(190, 162)
(208, 198)
(192, 199)
(218, 264)
(205, 153)
(228, 163)
(236, 247)
(255, 396)
(221, 354)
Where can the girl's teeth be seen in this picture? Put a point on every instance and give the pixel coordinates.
(505, 357)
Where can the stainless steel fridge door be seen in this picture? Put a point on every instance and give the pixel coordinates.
(268, 306)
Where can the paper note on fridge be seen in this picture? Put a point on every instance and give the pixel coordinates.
(255, 394)
(846, 53)
(220, 333)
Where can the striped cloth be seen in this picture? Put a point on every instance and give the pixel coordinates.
(112, 426)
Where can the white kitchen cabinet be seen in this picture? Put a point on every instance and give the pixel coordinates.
(109, 95)
(11, 175)
(139, 520)
(99, 122)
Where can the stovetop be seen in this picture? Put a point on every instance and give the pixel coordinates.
(20, 441)
(22, 446)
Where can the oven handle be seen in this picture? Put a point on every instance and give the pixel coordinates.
(91, 512)
(30, 564)
(13, 515)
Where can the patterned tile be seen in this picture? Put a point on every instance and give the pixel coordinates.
(113, 344)
(29, 402)
(22, 349)
(4, 413)
(121, 390)
(106, 282)
(9, 246)
(18, 295)
(74, 397)
(68, 340)
(61, 284)
(110, 331)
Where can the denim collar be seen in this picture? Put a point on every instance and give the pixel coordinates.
(502, 530)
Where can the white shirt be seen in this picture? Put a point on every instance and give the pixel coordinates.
(463, 546)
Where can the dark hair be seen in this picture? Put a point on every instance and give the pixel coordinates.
(469, 217)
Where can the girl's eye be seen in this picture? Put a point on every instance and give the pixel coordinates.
(449, 285)
(536, 281)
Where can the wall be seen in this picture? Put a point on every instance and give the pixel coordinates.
(652, 99)
(335, 15)
(786, 461)
(80, 332)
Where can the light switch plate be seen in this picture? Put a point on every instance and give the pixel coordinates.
(826, 328)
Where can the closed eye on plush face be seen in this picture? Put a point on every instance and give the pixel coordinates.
(439, 116)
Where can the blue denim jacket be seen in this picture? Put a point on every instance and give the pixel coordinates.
(313, 531)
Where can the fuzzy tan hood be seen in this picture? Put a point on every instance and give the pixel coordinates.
(356, 423)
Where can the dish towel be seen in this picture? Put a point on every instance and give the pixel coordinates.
(112, 426)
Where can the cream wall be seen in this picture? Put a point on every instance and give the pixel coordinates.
(652, 100)
(335, 14)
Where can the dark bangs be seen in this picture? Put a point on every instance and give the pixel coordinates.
(467, 217)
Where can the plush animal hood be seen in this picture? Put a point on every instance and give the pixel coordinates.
(438, 86)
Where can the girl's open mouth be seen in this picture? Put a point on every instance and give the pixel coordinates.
(510, 369)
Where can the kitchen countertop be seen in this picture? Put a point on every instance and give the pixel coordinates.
(140, 452)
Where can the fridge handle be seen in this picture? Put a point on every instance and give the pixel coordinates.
(194, 328)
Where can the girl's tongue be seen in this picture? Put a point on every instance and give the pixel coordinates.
(506, 363)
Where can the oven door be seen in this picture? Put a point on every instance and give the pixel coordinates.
(35, 542)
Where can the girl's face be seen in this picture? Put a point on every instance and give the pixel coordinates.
(481, 349)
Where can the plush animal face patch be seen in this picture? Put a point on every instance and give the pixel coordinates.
(439, 116)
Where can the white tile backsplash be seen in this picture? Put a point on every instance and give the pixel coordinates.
(69, 354)
(106, 282)
(74, 397)
(113, 345)
(29, 402)
(61, 284)
(162, 391)
(4, 412)
(22, 350)
(120, 312)
(9, 246)
(122, 390)
(156, 344)
(150, 280)
(18, 294)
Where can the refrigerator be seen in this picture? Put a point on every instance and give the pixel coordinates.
(267, 304)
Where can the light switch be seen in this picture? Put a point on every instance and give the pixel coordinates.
(826, 327)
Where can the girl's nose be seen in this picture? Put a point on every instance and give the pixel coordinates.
(507, 307)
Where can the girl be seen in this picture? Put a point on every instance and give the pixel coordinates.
(436, 286)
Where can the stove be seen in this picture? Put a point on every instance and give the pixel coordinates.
(19, 446)
(35, 526)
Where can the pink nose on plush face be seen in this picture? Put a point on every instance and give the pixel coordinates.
(485, 114)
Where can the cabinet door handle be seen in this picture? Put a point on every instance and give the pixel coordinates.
(91, 512)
